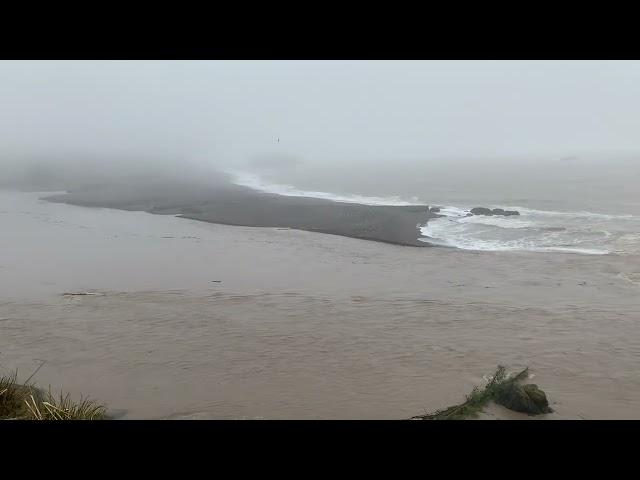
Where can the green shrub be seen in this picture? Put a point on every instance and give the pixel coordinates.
(478, 397)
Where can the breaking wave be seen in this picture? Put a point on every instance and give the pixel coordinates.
(533, 230)
(255, 182)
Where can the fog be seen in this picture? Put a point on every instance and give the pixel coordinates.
(114, 116)
(390, 232)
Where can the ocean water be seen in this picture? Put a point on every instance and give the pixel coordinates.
(535, 230)
(587, 208)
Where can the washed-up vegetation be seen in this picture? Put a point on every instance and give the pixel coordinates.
(502, 389)
(24, 401)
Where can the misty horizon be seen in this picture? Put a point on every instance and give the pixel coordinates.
(229, 113)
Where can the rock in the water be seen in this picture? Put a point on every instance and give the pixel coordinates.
(524, 398)
(434, 209)
(500, 211)
(495, 211)
(481, 211)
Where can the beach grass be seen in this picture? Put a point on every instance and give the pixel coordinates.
(478, 398)
(27, 402)
(24, 401)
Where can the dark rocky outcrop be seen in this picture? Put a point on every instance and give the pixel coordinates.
(481, 211)
(495, 211)
(434, 209)
(506, 212)
(523, 398)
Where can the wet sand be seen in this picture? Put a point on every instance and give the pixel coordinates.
(198, 320)
(224, 203)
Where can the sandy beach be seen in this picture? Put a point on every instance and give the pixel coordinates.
(219, 201)
(188, 319)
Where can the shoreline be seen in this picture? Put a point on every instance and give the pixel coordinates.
(315, 230)
(241, 206)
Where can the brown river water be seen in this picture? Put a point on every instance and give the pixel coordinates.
(186, 319)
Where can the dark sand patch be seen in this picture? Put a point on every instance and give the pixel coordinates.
(233, 205)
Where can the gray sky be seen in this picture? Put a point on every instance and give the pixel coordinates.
(225, 112)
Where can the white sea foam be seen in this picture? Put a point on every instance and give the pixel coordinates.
(579, 214)
(524, 211)
(533, 230)
(498, 221)
(255, 182)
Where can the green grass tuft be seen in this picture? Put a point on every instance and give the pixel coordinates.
(26, 402)
(478, 398)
